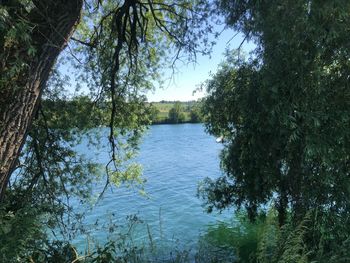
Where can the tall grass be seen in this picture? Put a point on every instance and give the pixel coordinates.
(314, 239)
(236, 241)
(317, 238)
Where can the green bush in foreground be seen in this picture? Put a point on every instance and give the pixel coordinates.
(314, 240)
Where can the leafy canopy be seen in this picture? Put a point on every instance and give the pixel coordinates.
(115, 55)
(284, 114)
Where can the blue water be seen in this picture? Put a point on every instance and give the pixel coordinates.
(175, 158)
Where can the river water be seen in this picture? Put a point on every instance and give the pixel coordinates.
(175, 158)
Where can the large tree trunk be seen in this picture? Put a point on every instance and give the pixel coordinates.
(54, 23)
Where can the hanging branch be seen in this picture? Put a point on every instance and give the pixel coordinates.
(129, 26)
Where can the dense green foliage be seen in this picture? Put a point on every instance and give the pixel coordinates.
(284, 114)
(259, 241)
(115, 56)
(80, 112)
(175, 113)
(196, 114)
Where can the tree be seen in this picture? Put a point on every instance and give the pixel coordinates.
(284, 113)
(154, 113)
(196, 112)
(27, 53)
(115, 43)
(176, 114)
(116, 49)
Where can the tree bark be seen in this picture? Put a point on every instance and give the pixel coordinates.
(55, 22)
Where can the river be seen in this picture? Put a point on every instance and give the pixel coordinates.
(175, 158)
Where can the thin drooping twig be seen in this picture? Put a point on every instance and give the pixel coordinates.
(129, 28)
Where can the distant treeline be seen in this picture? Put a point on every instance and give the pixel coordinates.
(82, 112)
(175, 112)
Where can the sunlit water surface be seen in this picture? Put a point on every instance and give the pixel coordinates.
(175, 158)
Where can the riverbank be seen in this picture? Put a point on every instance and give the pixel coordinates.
(166, 122)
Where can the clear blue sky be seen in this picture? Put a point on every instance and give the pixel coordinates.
(190, 76)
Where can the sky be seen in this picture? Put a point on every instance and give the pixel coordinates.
(190, 76)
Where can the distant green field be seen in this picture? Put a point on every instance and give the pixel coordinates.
(164, 108)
